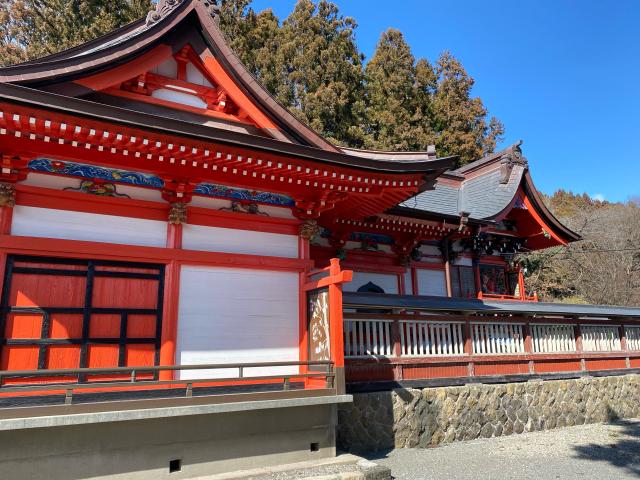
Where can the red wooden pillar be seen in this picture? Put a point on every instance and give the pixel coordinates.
(6, 217)
(468, 347)
(170, 306)
(303, 254)
(579, 348)
(336, 327)
(333, 284)
(623, 345)
(523, 294)
(414, 281)
(397, 348)
(447, 269)
(528, 346)
(401, 288)
(476, 276)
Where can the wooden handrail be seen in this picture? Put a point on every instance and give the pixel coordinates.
(156, 368)
(188, 383)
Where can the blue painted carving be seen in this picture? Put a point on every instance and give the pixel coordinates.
(213, 190)
(92, 171)
(145, 180)
(372, 238)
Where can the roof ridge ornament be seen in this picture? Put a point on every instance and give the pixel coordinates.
(510, 160)
(165, 7)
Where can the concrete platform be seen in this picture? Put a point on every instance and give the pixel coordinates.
(183, 440)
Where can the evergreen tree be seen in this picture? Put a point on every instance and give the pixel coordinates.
(459, 119)
(310, 63)
(36, 28)
(397, 97)
(255, 39)
(321, 68)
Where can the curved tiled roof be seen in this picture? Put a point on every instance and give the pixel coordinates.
(483, 189)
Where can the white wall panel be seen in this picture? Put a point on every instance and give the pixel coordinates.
(430, 250)
(215, 239)
(463, 261)
(195, 76)
(388, 282)
(231, 315)
(179, 97)
(408, 284)
(431, 282)
(49, 223)
(59, 182)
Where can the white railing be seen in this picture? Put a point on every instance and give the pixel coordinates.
(600, 338)
(423, 338)
(553, 338)
(497, 338)
(633, 337)
(427, 338)
(367, 337)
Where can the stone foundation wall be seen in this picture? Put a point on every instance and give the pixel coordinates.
(432, 416)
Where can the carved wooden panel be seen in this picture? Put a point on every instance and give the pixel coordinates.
(319, 330)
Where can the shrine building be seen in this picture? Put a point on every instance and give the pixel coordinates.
(193, 279)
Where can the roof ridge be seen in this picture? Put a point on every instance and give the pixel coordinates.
(492, 157)
(399, 155)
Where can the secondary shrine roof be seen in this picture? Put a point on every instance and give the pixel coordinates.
(488, 189)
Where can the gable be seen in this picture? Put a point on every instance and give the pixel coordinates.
(181, 81)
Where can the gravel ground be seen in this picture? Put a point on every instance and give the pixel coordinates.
(606, 451)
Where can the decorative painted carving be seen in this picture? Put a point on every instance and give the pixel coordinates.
(244, 207)
(510, 160)
(220, 191)
(319, 330)
(309, 229)
(7, 195)
(177, 213)
(371, 237)
(490, 244)
(144, 180)
(98, 187)
(369, 244)
(93, 172)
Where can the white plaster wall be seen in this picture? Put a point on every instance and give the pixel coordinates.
(179, 97)
(195, 76)
(231, 315)
(430, 250)
(168, 68)
(388, 282)
(408, 284)
(59, 182)
(431, 282)
(463, 261)
(216, 239)
(50, 223)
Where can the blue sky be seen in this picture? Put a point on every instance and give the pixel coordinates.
(562, 75)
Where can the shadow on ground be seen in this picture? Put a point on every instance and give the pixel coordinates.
(622, 452)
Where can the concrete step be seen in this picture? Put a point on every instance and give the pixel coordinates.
(342, 467)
